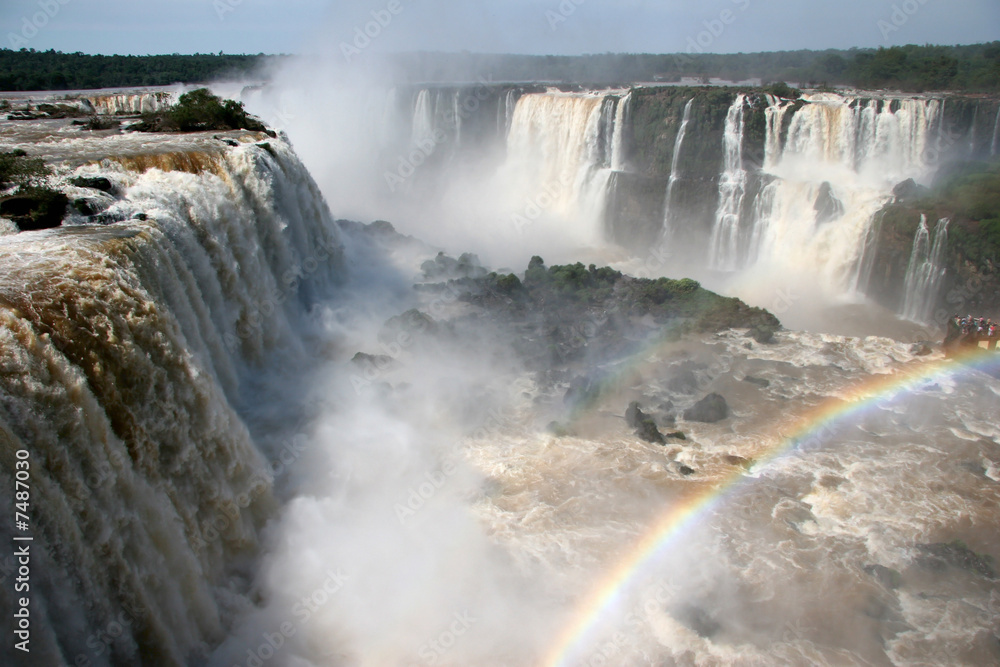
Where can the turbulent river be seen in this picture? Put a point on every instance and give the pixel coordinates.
(219, 478)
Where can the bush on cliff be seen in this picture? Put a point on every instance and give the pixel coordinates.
(200, 111)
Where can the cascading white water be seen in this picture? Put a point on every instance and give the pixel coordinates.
(774, 114)
(556, 142)
(842, 156)
(125, 350)
(423, 119)
(456, 109)
(724, 248)
(130, 103)
(925, 272)
(995, 144)
(668, 230)
(621, 121)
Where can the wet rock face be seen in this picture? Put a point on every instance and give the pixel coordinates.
(713, 408)
(827, 207)
(643, 424)
(30, 211)
(956, 554)
(94, 183)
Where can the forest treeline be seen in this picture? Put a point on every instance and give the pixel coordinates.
(973, 68)
(52, 70)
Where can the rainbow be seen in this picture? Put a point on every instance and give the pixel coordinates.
(818, 422)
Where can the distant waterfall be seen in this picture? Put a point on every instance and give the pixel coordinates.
(995, 144)
(423, 119)
(505, 111)
(560, 142)
(668, 230)
(926, 271)
(972, 133)
(618, 136)
(724, 250)
(129, 103)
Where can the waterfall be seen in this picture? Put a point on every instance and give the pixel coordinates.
(925, 272)
(423, 119)
(724, 249)
(972, 133)
(607, 133)
(863, 274)
(125, 361)
(668, 231)
(774, 115)
(823, 184)
(618, 138)
(557, 142)
(131, 104)
(995, 144)
(510, 104)
(457, 115)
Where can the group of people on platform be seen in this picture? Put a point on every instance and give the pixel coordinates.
(979, 326)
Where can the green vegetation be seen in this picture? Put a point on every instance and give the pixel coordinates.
(19, 170)
(567, 292)
(970, 196)
(30, 204)
(912, 68)
(28, 69)
(199, 111)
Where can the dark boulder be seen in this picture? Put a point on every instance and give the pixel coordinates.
(763, 334)
(373, 361)
(643, 424)
(713, 408)
(676, 435)
(884, 575)
(760, 382)
(909, 190)
(35, 209)
(956, 554)
(921, 349)
(94, 183)
(90, 206)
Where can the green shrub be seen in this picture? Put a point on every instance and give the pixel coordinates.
(200, 111)
(16, 168)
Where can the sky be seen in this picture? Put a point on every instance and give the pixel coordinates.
(499, 26)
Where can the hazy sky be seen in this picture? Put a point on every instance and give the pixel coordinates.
(508, 26)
